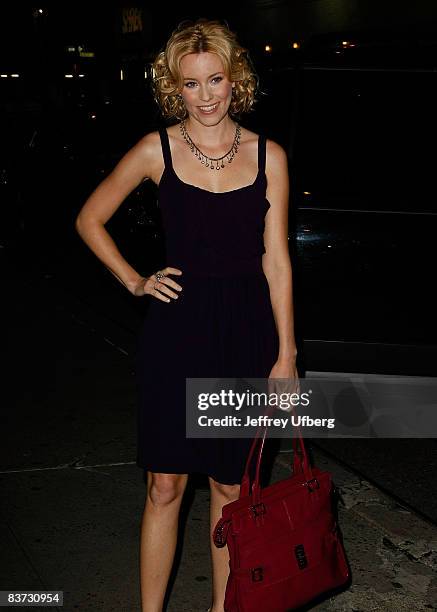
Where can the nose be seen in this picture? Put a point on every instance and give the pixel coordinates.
(205, 93)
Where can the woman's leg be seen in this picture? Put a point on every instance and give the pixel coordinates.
(159, 528)
(221, 494)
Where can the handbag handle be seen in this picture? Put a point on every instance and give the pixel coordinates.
(303, 464)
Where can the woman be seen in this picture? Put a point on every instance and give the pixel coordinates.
(222, 306)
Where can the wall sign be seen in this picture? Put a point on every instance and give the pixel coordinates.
(132, 20)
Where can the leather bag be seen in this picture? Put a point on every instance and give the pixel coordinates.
(284, 543)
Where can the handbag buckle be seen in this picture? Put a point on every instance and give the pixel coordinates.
(257, 574)
(312, 484)
(258, 509)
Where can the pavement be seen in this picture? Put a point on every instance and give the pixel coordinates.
(72, 496)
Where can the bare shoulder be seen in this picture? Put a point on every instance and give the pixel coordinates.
(276, 173)
(150, 141)
(249, 144)
(145, 157)
(276, 157)
(149, 146)
(248, 135)
(146, 147)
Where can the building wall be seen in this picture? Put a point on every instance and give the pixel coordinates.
(281, 21)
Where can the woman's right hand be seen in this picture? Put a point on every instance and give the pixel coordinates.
(160, 289)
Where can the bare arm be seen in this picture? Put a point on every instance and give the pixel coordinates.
(276, 259)
(143, 160)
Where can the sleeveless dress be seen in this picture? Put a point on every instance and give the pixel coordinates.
(222, 324)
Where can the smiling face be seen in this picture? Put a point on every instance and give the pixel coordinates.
(206, 91)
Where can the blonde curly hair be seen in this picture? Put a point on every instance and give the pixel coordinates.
(200, 36)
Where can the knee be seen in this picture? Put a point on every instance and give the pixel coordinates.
(164, 489)
(226, 491)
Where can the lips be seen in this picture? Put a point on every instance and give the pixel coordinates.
(208, 109)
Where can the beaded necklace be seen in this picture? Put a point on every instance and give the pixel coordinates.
(210, 161)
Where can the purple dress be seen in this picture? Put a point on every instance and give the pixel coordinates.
(221, 325)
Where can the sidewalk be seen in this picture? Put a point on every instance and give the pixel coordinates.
(72, 495)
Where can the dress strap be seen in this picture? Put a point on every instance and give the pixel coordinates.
(165, 144)
(261, 153)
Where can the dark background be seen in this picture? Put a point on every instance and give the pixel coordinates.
(354, 107)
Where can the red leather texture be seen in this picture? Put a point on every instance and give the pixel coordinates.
(284, 542)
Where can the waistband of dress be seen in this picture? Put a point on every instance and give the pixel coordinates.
(251, 267)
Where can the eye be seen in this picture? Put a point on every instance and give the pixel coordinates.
(217, 79)
(190, 84)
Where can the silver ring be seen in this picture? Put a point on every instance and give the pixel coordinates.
(159, 275)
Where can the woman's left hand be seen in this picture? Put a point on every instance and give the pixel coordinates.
(286, 371)
(284, 368)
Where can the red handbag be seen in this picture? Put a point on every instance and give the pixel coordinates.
(284, 542)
